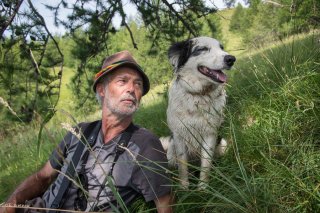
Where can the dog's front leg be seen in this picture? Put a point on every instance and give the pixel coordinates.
(206, 158)
(182, 164)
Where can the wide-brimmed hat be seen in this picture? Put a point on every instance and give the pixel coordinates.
(121, 59)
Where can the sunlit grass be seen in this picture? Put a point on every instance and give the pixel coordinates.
(66, 100)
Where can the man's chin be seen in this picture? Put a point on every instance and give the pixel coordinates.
(129, 111)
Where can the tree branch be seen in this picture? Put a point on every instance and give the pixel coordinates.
(123, 22)
(7, 23)
(43, 23)
(179, 17)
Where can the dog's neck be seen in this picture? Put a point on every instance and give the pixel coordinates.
(199, 88)
(206, 90)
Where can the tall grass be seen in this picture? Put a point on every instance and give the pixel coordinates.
(19, 157)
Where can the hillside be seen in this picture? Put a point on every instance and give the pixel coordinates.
(232, 41)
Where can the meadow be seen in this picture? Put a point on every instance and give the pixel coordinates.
(272, 124)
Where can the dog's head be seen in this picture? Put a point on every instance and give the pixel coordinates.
(203, 57)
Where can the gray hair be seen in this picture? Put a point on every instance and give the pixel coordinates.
(103, 81)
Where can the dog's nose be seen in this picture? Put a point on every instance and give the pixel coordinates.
(229, 60)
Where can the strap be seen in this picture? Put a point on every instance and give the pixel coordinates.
(122, 143)
(89, 135)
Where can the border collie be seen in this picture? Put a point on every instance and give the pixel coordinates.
(196, 102)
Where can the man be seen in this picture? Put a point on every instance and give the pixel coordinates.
(102, 176)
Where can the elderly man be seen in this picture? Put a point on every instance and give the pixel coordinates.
(122, 161)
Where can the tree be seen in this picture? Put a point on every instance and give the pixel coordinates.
(229, 3)
(237, 18)
(265, 21)
(29, 86)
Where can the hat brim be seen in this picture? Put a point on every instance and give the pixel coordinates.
(145, 79)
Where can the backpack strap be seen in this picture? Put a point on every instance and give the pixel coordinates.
(122, 144)
(120, 148)
(90, 134)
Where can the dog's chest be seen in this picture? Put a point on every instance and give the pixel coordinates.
(197, 111)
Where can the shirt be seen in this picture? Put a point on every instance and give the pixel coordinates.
(140, 170)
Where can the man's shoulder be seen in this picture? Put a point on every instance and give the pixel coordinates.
(83, 125)
(146, 139)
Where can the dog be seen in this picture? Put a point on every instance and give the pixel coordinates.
(196, 102)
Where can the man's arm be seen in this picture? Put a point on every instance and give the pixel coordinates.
(164, 204)
(34, 186)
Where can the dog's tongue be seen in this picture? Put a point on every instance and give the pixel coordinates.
(216, 75)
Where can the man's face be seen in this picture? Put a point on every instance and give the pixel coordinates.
(122, 94)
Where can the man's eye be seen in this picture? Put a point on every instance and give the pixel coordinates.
(139, 84)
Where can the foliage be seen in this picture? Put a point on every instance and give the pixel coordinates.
(266, 21)
(229, 3)
(30, 79)
(26, 86)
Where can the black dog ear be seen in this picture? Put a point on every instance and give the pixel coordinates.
(179, 53)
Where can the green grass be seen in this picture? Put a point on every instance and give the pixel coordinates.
(66, 95)
(19, 157)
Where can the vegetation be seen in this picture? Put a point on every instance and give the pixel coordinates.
(266, 21)
(272, 118)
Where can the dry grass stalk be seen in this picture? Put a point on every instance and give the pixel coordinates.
(4, 103)
(68, 127)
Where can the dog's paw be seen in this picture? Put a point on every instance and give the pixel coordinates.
(221, 148)
(165, 142)
(184, 184)
(202, 186)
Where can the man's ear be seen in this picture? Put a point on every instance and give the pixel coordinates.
(100, 89)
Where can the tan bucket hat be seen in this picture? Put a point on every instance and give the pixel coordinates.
(120, 59)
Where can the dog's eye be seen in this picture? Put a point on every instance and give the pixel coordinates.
(221, 47)
(203, 49)
(197, 50)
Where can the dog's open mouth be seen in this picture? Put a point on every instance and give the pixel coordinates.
(216, 75)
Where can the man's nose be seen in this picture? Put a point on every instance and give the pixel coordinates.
(130, 87)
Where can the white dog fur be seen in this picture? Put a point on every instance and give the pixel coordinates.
(196, 101)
